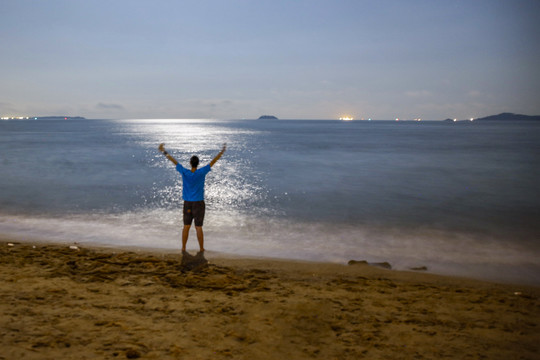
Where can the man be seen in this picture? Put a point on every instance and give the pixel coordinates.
(193, 194)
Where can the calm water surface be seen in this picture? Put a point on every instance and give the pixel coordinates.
(462, 198)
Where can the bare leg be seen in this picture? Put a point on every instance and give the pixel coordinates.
(185, 234)
(200, 237)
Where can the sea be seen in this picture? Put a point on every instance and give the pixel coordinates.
(460, 199)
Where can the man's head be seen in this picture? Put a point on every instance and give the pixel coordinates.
(194, 161)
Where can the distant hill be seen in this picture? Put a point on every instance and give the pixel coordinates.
(509, 116)
(268, 117)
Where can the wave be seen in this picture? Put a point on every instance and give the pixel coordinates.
(441, 251)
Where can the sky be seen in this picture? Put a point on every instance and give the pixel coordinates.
(295, 59)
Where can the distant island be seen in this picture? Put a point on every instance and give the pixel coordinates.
(267, 117)
(510, 116)
(502, 117)
(43, 118)
(59, 118)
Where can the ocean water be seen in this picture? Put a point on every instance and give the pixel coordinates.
(460, 198)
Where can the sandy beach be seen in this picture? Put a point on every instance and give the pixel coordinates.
(59, 302)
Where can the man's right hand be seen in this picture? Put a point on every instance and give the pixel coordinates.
(169, 156)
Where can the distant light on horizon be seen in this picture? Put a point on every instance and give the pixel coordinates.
(346, 118)
(14, 118)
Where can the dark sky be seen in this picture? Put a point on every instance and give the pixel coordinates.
(294, 59)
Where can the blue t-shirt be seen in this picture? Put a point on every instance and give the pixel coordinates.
(193, 182)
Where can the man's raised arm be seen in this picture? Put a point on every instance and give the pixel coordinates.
(162, 149)
(218, 155)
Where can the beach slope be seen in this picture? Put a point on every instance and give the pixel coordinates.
(77, 303)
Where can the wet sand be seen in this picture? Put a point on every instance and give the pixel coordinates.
(91, 303)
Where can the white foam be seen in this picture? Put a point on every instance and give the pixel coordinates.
(240, 234)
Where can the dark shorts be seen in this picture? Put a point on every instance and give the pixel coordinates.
(194, 210)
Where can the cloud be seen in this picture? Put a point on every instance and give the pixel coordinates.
(8, 108)
(105, 106)
(418, 93)
(474, 93)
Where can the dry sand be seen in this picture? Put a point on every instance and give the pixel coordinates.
(62, 303)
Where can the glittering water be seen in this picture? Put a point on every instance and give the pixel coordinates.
(459, 198)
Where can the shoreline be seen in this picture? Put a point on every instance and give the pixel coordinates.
(94, 302)
(274, 263)
(467, 275)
